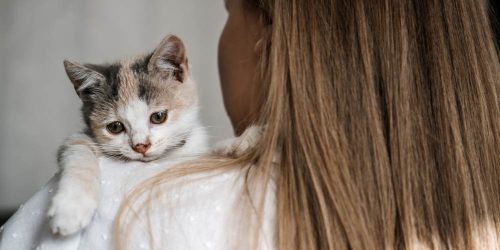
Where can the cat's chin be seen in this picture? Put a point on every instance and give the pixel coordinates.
(125, 158)
(148, 158)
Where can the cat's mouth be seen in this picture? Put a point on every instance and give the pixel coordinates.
(165, 153)
(148, 157)
(138, 157)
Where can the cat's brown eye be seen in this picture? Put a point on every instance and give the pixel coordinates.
(159, 117)
(115, 127)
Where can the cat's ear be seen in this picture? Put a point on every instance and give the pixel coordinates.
(169, 59)
(83, 78)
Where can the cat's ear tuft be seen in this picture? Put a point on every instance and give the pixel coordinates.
(169, 59)
(83, 78)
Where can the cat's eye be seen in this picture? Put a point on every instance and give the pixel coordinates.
(159, 117)
(115, 127)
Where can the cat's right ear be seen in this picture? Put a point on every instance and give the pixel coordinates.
(83, 78)
(169, 59)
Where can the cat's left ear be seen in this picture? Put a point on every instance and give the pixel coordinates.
(169, 59)
(85, 80)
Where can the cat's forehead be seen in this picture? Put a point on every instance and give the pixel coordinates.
(129, 79)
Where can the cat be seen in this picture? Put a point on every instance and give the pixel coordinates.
(139, 109)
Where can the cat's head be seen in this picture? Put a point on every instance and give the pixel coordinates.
(139, 108)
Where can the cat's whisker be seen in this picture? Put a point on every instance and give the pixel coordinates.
(121, 104)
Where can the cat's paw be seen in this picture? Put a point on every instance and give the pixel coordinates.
(70, 212)
(239, 145)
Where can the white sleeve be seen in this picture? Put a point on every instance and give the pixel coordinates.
(28, 228)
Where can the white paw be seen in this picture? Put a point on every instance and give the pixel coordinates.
(70, 212)
(239, 145)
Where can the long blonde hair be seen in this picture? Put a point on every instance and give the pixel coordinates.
(386, 116)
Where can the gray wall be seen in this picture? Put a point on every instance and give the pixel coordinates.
(38, 107)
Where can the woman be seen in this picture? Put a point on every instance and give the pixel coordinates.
(380, 130)
(381, 122)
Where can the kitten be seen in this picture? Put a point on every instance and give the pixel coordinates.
(140, 109)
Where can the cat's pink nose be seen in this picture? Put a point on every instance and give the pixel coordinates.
(141, 148)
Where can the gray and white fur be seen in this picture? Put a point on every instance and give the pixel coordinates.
(139, 109)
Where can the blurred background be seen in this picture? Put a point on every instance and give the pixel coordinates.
(38, 106)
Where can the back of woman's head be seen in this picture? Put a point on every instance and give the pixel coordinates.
(386, 115)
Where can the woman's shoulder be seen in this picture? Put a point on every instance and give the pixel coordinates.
(207, 211)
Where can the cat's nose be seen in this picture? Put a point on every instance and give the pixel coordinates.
(141, 148)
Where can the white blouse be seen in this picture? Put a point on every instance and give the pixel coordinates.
(198, 215)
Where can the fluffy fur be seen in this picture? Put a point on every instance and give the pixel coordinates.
(129, 92)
